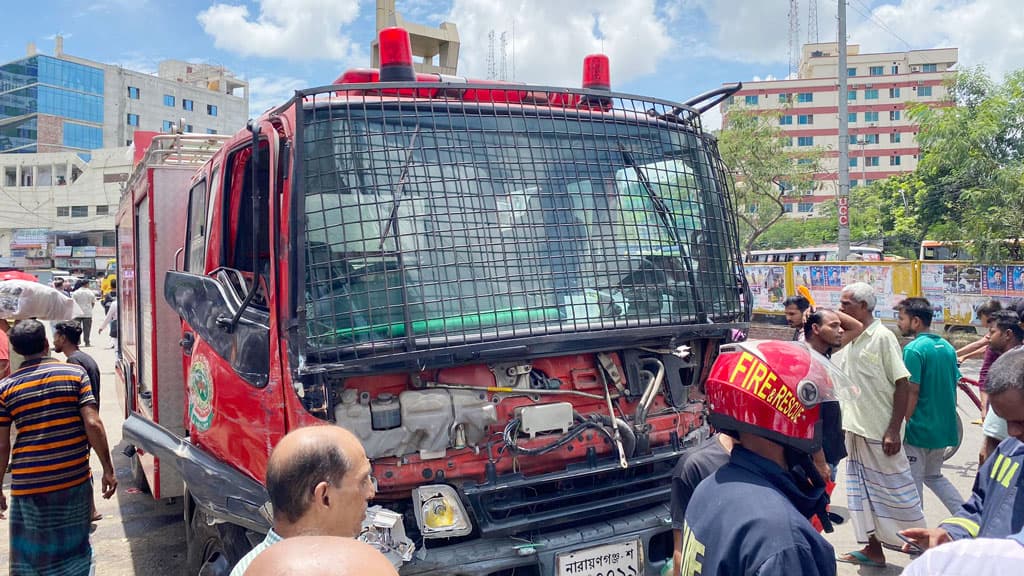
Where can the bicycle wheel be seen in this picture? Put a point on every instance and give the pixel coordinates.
(951, 450)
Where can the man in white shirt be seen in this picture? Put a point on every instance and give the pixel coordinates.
(86, 299)
(881, 493)
(972, 557)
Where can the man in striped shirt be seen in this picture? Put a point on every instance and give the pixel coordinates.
(54, 408)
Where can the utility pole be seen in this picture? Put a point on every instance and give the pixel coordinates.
(843, 198)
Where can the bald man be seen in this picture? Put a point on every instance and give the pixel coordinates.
(319, 482)
(321, 556)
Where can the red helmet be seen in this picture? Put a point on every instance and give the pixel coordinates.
(772, 389)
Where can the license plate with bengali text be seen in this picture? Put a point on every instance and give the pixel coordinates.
(617, 559)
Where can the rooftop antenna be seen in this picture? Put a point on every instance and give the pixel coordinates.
(794, 36)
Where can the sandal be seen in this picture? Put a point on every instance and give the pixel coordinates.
(858, 558)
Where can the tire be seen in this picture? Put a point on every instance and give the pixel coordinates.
(951, 450)
(213, 549)
(138, 477)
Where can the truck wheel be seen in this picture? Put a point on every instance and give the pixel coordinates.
(138, 477)
(213, 550)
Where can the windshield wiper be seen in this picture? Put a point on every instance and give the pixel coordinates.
(666, 219)
(393, 217)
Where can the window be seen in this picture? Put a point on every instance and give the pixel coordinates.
(752, 208)
(211, 131)
(853, 162)
(133, 93)
(805, 97)
(894, 92)
(785, 120)
(195, 259)
(876, 70)
(169, 100)
(871, 161)
(211, 109)
(187, 104)
(871, 138)
(851, 71)
(894, 138)
(805, 141)
(851, 95)
(895, 69)
(894, 160)
(102, 210)
(188, 127)
(871, 94)
(805, 119)
(853, 139)
(805, 207)
(930, 68)
(851, 117)
(167, 126)
(854, 183)
(894, 115)
(79, 211)
(924, 90)
(787, 207)
(785, 98)
(787, 141)
(133, 119)
(63, 211)
(871, 116)
(804, 161)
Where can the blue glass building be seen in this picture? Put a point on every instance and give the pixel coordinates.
(47, 104)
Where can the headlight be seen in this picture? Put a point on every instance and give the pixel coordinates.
(439, 512)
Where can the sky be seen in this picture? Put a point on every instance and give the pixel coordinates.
(669, 49)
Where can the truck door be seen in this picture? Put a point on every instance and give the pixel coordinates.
(235, 403)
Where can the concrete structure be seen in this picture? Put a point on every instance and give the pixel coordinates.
(881, 88)
(56, 209)
(63, 102)
(434, 50)
(66, 127)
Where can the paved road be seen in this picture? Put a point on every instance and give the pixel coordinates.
(137, 535)
(141, 536)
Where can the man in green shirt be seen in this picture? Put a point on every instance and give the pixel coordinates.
(931, 410)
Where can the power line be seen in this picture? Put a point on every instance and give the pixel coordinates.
(870, 16)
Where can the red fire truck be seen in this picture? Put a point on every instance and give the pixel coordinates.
(509, 293)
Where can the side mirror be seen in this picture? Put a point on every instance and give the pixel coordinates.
(208, 306)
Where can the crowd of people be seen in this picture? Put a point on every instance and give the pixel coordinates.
(898, 415)
(752, 499)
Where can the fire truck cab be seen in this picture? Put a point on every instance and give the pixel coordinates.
(510, 294)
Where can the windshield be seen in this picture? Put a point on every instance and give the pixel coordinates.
(440, 228)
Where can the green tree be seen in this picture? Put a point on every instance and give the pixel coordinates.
(972, 164)
(764, 167)
(886, 213)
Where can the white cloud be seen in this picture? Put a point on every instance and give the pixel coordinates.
(551, 38)
(267, 92)
(987, 32)
(292, 29)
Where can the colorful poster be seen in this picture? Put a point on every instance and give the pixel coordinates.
(826, 284)
(995, 280)
(768, 286)
(1017, 275)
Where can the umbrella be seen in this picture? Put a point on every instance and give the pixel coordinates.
(17, 275)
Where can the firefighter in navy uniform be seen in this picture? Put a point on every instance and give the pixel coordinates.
(751, 516)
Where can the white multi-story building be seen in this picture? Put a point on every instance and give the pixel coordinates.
(881, 88)
(65, 123)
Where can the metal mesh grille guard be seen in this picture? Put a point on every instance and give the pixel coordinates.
(446, 220)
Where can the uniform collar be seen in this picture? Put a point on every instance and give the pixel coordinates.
(805, 500)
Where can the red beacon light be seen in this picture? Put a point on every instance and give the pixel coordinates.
(396, 56)
(596, 73)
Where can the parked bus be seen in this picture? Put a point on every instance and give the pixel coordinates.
(1009, 249)
(813, 254)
